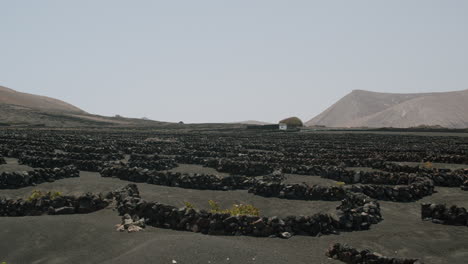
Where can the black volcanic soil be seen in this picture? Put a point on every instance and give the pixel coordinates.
(91, 238)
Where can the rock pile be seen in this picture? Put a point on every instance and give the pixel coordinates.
(13, 180)
(351, 255)
(2, 160)
(52, 205)
(441, 214)
(130, 225)
(358, 212)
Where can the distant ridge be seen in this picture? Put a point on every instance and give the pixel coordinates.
(372, 109)
(23, 109)
(37, 102)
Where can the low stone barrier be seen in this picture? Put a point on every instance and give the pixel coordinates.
(464, 186)
(40, 162)
(394, 175)
(189, 159)
(314, 170)
(441, 214)
(297, 191)
(111, 150)
(13, 180)
(447, 178)
(188, 219)
(2, 160)
(395, 167)
(236, 167)
(161, 164)
(351, 255)
(176, 179)
(52, 154)
(358, 212)
(243, 167)
(418, 189)
(441, 177)
(52, 205)
(365, 177)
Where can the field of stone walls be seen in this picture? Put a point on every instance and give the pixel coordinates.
(359, 172)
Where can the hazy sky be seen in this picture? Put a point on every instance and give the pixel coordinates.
(222, 61)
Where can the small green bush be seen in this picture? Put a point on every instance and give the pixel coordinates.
(292, 121)
(340, 183)
(189, 205)
(214, 206)
(36, 194)
(428, 165)
(236, 209)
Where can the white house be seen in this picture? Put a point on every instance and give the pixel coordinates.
(283, 126)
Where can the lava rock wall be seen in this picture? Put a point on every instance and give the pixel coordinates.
(176, 179)
(13, 180)
(351, 255)
(86, 203)
(442, 214)
(189, 219)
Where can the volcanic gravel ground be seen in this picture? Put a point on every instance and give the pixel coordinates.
(91, 238)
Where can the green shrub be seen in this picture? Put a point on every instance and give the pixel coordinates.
(236, 209)
(292, 121)
(428, 165)
(36, 194)
(214, 206)
(244, 209)
(189, 205)
(340, 183)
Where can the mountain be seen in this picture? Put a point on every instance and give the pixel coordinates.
(372, 109)
(25, 109)
(37, 102)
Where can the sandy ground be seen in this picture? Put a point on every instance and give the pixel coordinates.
(91, 238)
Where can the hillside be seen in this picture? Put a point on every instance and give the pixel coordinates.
(23, 109)
(371, 109)
(37, 102)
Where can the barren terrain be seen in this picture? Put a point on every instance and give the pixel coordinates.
(92, 238)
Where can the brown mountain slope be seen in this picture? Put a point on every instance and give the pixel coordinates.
(22, 109)
(371, 109)
(36, 102)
